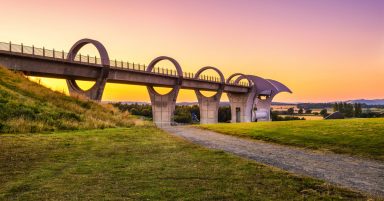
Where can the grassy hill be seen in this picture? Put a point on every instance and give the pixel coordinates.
(361, 137)
(27, 107)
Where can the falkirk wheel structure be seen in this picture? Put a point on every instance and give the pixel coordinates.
(249, 103)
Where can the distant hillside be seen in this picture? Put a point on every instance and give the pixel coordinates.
(368, 102)
(27, 107)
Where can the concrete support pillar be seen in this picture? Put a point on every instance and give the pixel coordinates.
(241, 107)
(163, 105)
(263, 109)
(96, 91)
(241, 104)
(209, 106)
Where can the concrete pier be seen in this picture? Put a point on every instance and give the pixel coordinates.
(209, 106)
(163, 105)
(241, 103)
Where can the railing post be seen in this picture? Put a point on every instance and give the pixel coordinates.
(33, 50)
(22, 48)
(53, 53)
(62, 54)
(80, 56)
(10, 46)
(115, 63)
(95, 60)
(43, 51)
(133, 64)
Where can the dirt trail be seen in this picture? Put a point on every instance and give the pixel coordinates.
(355, 173)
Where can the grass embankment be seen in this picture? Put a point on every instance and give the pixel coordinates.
(26, 107)
(361, 137)
(141, 163)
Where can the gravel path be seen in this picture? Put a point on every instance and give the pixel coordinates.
(358, 174)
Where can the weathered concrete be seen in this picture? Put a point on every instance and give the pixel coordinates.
(241, 104)
(96, 91)
(266, 90)
(163, 105)
(209, 106)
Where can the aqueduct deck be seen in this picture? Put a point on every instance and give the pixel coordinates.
(245, 97)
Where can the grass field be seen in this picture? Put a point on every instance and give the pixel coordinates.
(360, 137)
(27, 107)
(141, 163)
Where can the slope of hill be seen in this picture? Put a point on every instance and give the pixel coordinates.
(368, 102)
(27, 107)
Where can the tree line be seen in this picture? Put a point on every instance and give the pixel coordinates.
(183, 113)
(348, 109)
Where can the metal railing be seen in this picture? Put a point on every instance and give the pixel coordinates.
(86, 59)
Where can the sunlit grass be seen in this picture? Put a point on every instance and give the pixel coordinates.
(141, 163)
(26, 106)
(361, 137)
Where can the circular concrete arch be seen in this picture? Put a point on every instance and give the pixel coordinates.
(241, 76)
(95, 92)
(178, 70)
(222, 79)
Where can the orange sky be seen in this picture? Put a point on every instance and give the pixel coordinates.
(324, 50)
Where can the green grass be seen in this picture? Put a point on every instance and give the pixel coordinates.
(360, 137)
(27, 107)
(141, 163)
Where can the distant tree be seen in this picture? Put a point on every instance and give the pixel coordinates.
(324, 112)
(308, 111)
(300, 111)
(183, 117)
(336, 107)
(358, 110)
(146, 112)
(290, 111)
(134, 111)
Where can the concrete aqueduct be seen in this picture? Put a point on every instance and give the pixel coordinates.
(249, 102)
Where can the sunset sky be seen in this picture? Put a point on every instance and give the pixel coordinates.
(323, 50)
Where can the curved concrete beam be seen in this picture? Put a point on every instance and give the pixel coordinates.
(162, 58)
(96, 91)
(279, 86)
(222, 79)
(263, 86)
(241, 76)
(179, 71)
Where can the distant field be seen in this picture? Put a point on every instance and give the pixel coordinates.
(307, 117)
(141, 163)
(361, 137)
